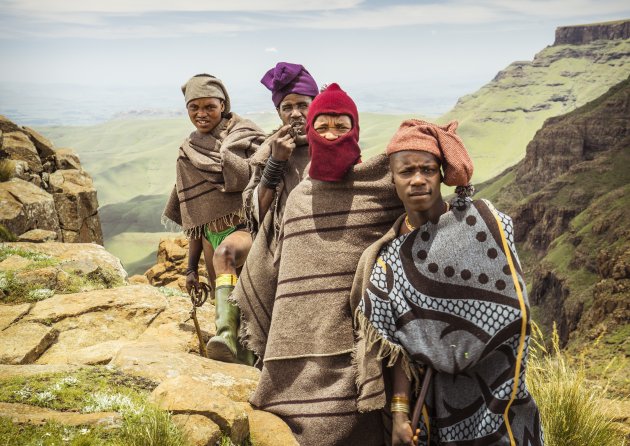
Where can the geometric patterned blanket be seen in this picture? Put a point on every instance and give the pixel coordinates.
(451, 296)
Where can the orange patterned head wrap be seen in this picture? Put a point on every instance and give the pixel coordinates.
(441, 141)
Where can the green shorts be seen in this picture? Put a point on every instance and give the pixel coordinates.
(215, 238)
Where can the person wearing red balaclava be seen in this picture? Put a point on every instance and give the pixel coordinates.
(333, 134)
(303, 335)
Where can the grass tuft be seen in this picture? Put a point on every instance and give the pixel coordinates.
(6, 235)
(7, 170)
(570, 408)
(150, 427)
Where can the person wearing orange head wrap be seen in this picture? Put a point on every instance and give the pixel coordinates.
(442, 294)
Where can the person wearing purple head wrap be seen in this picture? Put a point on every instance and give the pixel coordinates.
(278, 166)
(281, 162)
(288, 78)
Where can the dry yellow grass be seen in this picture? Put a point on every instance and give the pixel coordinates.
(570, 408)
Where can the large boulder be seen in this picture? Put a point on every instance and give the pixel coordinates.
(92, 327)
(76, 204)
(190, 396)
(71, 210)
(151, 361)
(24, 206)
(172, 261)
(31, 272)
(20, 147)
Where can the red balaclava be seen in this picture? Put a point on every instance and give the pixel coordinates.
(331, 160)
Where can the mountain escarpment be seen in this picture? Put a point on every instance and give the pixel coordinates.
(569, 198)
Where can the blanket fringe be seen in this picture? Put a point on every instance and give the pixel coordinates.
(244, 334)
(388, 351)
(215, 225)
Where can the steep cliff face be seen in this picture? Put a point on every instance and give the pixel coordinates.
(570, 200)
(568, 140)
(500, 119)
(583, 34)
(44, 193)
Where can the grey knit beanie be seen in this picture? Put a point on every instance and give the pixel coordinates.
(206, 86)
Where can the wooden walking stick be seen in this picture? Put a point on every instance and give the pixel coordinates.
(198, 298)
(417, 410)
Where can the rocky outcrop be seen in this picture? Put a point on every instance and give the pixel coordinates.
(550, 294)
(33, 271)
(583, 34)
(611, 306)
(500, 119)
(49, 189)
(172, 260)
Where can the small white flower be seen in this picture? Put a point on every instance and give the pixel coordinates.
(69, 381)
(24, 393)
(42, 293)
(103, 402)
(45, 397)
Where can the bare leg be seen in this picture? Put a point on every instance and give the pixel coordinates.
(229, 256)
(208, 254)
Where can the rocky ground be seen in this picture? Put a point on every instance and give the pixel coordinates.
(80, 313)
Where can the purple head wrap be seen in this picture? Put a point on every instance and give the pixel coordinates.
(287, 78)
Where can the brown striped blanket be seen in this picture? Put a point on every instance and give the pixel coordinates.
(450, 296)
(262, 263)
(212, 171)
(308, 378)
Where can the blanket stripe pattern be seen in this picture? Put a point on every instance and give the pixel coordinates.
(262, 262)
(308, 376)
(212, 171)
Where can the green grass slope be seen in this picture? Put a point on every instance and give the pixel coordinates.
(580, 279)
(498, 120)
(128, 158)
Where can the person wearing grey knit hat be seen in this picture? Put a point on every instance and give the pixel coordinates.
(212, 171)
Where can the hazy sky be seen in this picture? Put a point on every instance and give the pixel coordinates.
(423, 45)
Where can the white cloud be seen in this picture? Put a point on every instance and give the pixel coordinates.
(112, 32)
(139, 19)
(149, 6)
(271, 50)
(562, 8)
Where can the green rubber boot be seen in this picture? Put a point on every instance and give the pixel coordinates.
(224, 346)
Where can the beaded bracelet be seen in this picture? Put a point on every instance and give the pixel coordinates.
(272, 174)
(191, 270)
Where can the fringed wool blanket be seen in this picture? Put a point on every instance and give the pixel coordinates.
(450, 296)
(212, 171)
(262, 262)
(308, 378)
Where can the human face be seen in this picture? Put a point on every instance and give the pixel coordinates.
(205, 113)
(293, 110)
(417, 180)
(332, 127)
